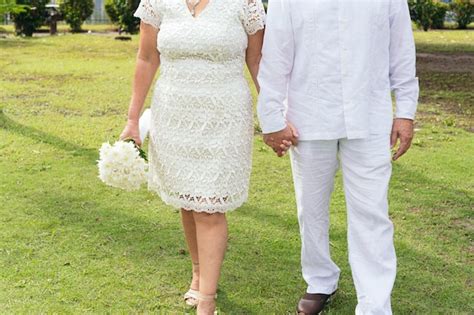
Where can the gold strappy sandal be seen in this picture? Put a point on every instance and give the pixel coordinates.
(208, 298)
(191, 297)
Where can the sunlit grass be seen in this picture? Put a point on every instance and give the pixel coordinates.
(68, 244)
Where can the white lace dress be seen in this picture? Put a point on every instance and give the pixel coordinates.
(200, 148)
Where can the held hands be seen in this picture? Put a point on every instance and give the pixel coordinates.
(131, 131)
(281, 141)
(402, 129)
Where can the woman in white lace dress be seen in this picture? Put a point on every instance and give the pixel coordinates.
(202, 120)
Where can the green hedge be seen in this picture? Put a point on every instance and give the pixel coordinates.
(121, 12)
(75, 12)
(28, 20)
(439, 15)
(463, 11)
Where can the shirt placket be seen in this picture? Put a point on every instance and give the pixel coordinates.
(344, 63)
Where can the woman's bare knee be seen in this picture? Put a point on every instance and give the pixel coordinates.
(209, 219)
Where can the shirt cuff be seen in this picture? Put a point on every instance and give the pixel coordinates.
(273, 123)
(406, 110)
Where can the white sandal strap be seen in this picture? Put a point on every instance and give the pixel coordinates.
(191, 297)
(207, 298)
(191, 294)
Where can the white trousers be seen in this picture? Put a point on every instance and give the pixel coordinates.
(366, 167)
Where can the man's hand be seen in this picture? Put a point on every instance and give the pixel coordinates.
(402, 129)
(281, 141)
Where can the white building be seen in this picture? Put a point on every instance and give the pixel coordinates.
(99, 15)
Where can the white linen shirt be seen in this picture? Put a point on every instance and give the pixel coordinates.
(329, 67)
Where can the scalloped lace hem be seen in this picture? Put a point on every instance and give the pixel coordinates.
(196, 206)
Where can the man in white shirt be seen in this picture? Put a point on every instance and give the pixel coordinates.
(326, 77)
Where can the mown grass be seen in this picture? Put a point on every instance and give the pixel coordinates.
(68, 244)
(445, 41)
(63, 28)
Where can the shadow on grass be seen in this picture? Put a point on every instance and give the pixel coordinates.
(230, 306)
(149, 241)
(430, 194)
(37, 135)
(21, 42)
(113, 231)
(438, 274)
(444, 48)
(440, 286)
(434, 267)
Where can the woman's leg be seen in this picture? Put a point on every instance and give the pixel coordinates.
(211, 231)
(189, 226)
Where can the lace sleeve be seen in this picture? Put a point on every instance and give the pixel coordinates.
(148, 12)
(253, 16)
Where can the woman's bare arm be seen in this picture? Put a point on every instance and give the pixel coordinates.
(254, 55)
(148, 62)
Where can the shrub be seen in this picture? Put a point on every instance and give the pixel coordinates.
(421, 12)
(33, 16)
(463, 11)
(121, 12)
(112, 12)
(75, 12)
(439, 15)
(428, 13)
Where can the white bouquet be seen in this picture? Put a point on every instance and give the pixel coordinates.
(124, 165)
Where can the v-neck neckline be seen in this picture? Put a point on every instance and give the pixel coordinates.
(203, 11)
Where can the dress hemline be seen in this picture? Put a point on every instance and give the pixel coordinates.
(179, 203)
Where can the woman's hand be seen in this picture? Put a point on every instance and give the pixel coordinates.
(131, 131)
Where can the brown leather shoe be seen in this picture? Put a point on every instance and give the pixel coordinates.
(313, 304)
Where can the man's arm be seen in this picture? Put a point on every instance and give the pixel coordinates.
(403, 78)
(275, 69)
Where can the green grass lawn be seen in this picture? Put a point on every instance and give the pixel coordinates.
(68, 244)
(63, 27)
(445, 41)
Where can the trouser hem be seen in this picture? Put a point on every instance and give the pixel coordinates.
(321, 289)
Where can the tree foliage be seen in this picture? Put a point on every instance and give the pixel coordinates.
(428, 13)
(75, 12)
(464, 12)
(439, 15)
(32, 16)
(121, 12)
(10, 6)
